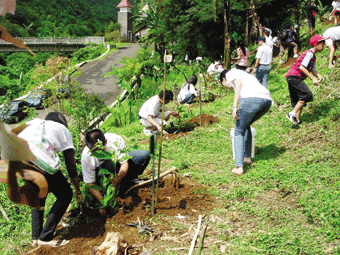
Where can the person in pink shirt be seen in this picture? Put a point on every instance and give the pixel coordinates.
(242, 56)
(302, 68)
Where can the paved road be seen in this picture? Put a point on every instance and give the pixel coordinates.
(92, 74)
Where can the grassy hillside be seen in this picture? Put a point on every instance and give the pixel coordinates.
(287, 202)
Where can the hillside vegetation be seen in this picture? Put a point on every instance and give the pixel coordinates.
(287, 202)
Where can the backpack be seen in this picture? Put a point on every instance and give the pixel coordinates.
(284, 36)
(46, 158)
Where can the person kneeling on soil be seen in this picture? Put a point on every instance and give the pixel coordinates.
(188, 91)
(45, 138)
(251, 102)
(150, 114)
(127, 170)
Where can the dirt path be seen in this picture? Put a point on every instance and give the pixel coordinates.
(92, 74)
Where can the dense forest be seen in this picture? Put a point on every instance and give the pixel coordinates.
(60, 18)
(196, 28)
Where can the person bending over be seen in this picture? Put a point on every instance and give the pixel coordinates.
(126, 171)
(150, 114)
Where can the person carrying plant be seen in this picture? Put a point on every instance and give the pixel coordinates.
(150, 114)
(188, 91)
(45, 138)
(125, 171)
(302, 68)
(333, 36)
(251, 102)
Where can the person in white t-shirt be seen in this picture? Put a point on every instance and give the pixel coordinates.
(264, 57)
(188, 91)
(215, 67)
(127, 170)
(57, 138)
(333, 35)
(150, 114)
(335, 11)
(251, 102)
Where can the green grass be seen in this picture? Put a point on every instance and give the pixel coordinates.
(290, 195)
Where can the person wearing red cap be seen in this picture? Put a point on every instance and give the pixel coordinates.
(302, 68)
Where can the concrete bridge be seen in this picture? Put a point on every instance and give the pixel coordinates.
(51, 44)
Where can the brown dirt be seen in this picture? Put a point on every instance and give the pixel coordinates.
(189, 200)
(186, 127)
(288, 63)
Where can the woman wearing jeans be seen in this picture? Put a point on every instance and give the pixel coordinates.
(251, 102)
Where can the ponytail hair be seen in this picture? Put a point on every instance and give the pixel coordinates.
(240, 44)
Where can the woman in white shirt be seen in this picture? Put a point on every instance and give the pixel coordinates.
(251, 102)
(335, 11)
(188, 91)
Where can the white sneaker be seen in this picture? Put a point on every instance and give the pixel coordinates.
(292, 118)
(296, 56)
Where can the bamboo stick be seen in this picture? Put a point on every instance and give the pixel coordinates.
(196, 234)
(202, 237)
(161, 140)
(171, 170)
(3, 212)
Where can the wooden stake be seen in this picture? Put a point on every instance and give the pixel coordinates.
(170, 171)
(202, 237)
(200, 94)
(195, 237)
(161, 140)
(3, 212)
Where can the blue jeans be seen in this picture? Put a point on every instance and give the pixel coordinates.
(250, 110)
(262, 73)
(188, 98)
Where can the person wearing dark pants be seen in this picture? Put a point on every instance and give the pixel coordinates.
(126, 171)
(45, 138)
(251, 102)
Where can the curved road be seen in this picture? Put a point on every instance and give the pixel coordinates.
(92, 74)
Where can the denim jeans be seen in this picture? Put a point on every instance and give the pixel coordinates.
(188, 98)
(262, 73)
(250, 110)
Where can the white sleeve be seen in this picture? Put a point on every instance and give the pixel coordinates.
(153, 108)
(192, 89)
(61, 138)
(88, 167)
(259, 53)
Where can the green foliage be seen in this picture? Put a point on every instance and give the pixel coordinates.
(87, 53)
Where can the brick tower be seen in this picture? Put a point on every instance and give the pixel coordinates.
(124, 20)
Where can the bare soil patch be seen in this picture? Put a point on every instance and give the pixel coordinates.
(189, 200)
(288, 63)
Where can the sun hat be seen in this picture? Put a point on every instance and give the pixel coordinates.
(315, 39)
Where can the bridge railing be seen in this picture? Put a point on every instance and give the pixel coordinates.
(64, 40)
